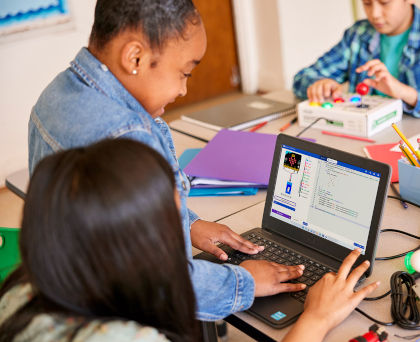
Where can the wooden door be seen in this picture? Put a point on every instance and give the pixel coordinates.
(218, 72)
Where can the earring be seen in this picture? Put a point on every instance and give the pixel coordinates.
(134, 72)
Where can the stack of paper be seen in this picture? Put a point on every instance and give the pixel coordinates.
(233, 162)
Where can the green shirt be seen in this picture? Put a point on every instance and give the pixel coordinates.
(391, 51)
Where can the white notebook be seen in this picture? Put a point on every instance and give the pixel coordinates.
(239, 114)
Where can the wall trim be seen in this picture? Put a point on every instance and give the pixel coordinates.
(244, 21)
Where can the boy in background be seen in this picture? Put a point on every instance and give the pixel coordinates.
(382, 51)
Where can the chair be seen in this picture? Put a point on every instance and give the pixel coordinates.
(9, 251)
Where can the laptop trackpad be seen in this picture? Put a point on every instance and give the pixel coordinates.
(278, 311)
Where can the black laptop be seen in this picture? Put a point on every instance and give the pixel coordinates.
(321, 204)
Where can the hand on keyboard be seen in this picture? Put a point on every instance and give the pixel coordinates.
(205, 235)
(271, 278)
(333, 297)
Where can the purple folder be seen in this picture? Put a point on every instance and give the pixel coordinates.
(235, 156)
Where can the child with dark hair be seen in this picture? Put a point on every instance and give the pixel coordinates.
(382, 51)
(102, 251)
(103, 256)
(140, 55)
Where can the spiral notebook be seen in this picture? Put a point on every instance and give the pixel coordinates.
(239, 114)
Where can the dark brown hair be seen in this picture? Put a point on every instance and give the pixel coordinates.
(102, 239)
(159, 20)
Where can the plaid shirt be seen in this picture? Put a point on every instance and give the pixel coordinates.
(360, 44)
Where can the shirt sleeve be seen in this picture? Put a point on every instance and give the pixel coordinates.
(333, 64)
(193, 216)
(414, 111)
(220, 289)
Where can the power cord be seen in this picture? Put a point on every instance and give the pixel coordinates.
(310, 125)
(402, 199)
(404, 310)
(401, 254)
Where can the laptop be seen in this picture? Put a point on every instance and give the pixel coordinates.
(241, 113)
(321, 204)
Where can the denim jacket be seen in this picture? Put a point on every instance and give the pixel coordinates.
(360, 44)
(86, 103)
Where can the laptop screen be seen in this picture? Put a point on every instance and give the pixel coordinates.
(328, 198)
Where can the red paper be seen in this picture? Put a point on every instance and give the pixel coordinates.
(383, 153)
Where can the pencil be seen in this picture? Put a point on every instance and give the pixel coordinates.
(409, 157)
(416, 153)
(256, 127)
(348, 136)
(286, 126)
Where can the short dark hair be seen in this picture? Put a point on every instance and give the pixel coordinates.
(102, 238)
(159, 20)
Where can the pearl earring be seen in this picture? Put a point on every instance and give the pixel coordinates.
(134, 72)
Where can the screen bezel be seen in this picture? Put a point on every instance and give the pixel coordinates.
(310, 240)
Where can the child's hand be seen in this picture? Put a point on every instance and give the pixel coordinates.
(333, 297)
(323, 89)
(270, 277)
(383, 80)
(386, 83)
(330, 301)
(205, 235)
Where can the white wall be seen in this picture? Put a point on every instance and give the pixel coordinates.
(307, 30)
(271, 73)
(287, 36)
(27, 65)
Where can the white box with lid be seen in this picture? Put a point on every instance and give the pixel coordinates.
(352, 114)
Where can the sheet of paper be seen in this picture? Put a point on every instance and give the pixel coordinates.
(212, 181)
(412, 140)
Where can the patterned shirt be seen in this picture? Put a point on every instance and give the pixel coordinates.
(360, 44)
(56, 328)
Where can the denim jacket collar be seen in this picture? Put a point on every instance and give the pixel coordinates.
(97, 75)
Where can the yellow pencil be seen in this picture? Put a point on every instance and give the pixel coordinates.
(416, 153)
(410, 158)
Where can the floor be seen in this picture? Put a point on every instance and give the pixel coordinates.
(11, 206)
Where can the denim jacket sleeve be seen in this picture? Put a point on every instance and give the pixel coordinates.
(220, 289)
(193, 216)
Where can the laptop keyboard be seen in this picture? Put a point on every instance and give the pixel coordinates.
(282, 255)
